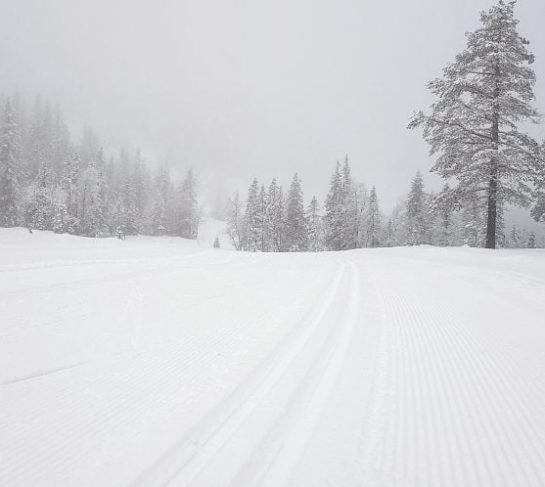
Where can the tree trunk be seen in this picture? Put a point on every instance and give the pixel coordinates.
(492, 206)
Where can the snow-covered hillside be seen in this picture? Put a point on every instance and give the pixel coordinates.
(157, 361)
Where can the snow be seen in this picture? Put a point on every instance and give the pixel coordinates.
(159, 361)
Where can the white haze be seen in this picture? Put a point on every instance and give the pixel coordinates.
(237, 89)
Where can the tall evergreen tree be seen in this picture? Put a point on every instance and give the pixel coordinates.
(351, 208)
(9, 170)
(314, 226)
(92, 214)
(296, 226)
(188, 207)
(373, 220)
(41, 209)
(252, 219)
(159, 211)
(274, 217)
(333, 211)
(417, 213)
(474, 126)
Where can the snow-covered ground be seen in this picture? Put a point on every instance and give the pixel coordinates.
(156, 361)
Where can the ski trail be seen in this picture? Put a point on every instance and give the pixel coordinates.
(185, 460)
(293, 443)
(281, 448)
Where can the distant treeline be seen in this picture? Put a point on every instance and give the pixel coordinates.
(50, 182)
(271, 220)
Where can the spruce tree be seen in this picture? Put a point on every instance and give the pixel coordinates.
(274, 217)
(417, 213)
(252, 219)
(296, 226)
(159, 214)
(41, 207)
(373, 220)
(9, 170)
(333, 211)
(92, 214)
(188, 207)
(351, 208)
(474, 126)
(314, 226)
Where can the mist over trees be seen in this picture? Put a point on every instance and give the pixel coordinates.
(351, 218)
(48, 181)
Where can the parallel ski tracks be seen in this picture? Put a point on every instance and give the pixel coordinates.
(272, 460)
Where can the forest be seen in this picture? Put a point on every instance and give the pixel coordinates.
(48, 181)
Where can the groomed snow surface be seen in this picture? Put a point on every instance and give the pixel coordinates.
(157, 361)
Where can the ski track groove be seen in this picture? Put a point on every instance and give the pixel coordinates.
(204, 445)
(511, 446)
(292, 438)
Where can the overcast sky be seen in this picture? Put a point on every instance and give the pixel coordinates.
(246, 88)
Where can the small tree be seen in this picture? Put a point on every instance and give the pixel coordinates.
(235, 222)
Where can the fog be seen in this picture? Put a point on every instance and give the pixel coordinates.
(237, 89)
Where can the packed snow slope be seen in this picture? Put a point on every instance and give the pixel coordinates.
(162, 362)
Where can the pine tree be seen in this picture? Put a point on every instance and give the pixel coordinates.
(417, 213)
(274, 217)
(188, 207)
(474, 125)
(398, 229)
(373, 220)
(351, 207)
(296, 226)
(515, 238)
(69, 184)
(159, 211)
(314, 226)
(35, 145)
(142, 185)
(41, 210)
(333, 211)
(252, 219)
(127, 209)
(92, 214)
(9, 170)
(60, 221)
